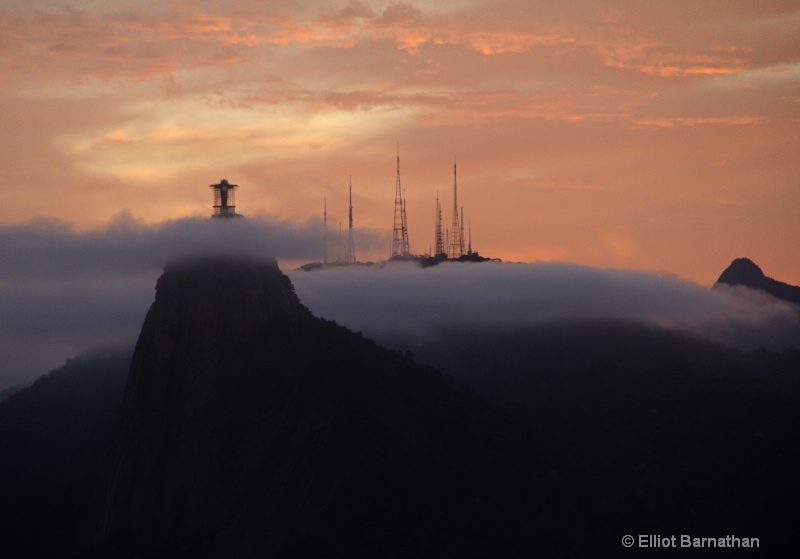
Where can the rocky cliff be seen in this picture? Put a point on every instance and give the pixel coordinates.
(251, 428)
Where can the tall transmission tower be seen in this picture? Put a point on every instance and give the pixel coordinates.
(457, 233)
(350, 255)
(439, 235)
(400, 232)
(463, 238)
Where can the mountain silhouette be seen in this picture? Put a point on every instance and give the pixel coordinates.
(643, 430)
(54, 436)
(745, 272)
(251, 428)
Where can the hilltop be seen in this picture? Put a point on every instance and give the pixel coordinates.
(745, 272)
(250, 428)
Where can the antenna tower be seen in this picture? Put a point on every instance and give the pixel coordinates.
(439, 236)
(463, 239)
(457, 233)
(325, 230)
(350, 256)
(400, 232)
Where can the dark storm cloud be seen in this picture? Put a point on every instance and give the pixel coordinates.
(404, 304)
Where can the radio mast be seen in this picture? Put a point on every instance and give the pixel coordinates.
(457, 232)
(400, 232)
(350, 255)
(440, 247)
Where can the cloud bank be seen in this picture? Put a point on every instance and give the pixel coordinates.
(402, 304)
(63, 291)
(47, 249)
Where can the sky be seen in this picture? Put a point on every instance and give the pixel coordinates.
(649, 136)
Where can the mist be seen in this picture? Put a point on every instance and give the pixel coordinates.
(52, 249)
(405, 307)
(64, 291)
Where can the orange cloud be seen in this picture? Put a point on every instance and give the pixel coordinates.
(646, 59)
(697, 121)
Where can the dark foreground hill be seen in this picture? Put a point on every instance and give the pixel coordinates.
(54, 438)
(645, 430)
(250, 428)
(745, 272)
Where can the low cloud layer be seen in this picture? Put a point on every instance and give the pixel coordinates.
(48, 249)
(63, 291)
(404, 304)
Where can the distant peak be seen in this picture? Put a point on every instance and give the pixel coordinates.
(743, 271)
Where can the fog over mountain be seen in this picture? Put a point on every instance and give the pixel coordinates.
(50, 249)
(401, 304)
(63, 291)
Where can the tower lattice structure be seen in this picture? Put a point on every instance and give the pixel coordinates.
(440, 247)
(350, 253)
(400, 245)
(457, 232)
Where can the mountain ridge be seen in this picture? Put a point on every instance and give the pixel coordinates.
(745, 272)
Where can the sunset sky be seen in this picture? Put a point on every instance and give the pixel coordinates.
(652, 136)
